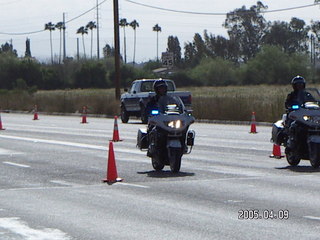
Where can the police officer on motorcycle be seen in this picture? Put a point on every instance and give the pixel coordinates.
(160, 88)
(160, 100)
(298, 96)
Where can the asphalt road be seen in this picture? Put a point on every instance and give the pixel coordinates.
(51, 188)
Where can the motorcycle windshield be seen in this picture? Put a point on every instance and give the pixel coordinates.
(300, 98)
(170, 104)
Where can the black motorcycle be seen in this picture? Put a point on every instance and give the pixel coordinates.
(167, 137)
(299, 132)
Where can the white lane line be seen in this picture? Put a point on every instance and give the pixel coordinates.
(234, 201)
(16, 226)
(17, 164)
(133, 185)
(72, 144)
(38, 140)
(7, 152)
(312, 218)
(65, 183)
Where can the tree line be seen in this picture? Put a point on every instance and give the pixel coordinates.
(255, 52)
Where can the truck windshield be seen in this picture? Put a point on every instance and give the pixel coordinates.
(147, 86)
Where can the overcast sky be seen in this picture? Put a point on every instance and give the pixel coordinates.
(20, 16)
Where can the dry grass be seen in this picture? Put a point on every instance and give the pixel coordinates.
(238, 102)
(235, 103)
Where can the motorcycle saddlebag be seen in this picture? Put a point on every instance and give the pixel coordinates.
(142, 140)
(190, 137)
(278, 134)
(314, 146)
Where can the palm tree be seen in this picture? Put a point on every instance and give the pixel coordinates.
(134, 24)
(60, 26)
(157, 29)
(123, 23)
(91, 25)
(50, 26)
(83, 30)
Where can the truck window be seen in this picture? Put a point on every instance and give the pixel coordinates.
(147, 86)
(170, 86)
(133, 87)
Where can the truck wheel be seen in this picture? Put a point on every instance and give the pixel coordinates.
(143, 115)
(124, 115)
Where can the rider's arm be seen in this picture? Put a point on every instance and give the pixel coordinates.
(288, 102)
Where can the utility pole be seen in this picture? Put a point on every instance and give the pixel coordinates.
(98, 47)
(312, 48)
(78, 52)
(64, 37)
(116, 48)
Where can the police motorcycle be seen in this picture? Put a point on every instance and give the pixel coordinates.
(167, 137)
(299, 132)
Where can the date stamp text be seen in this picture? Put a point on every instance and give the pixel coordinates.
(252, 214)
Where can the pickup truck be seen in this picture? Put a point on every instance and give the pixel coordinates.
(134, 101)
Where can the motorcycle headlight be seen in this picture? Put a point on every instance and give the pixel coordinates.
(306, 118)
(175, 124)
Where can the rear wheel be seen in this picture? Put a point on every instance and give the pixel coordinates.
(315, 163)
(175, 155)
(314, 154)
(292, 158)
(124, 115)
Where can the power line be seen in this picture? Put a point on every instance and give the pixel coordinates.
(162, 9)
(22, 33)
(216, 14)
(72, 19)
(289, 9)
(38, 31)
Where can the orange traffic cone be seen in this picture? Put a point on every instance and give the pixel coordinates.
(35, 113)
(112, 175)
(1, 128)
(116, 137)
(84, 115)
(276, 152)
(253, 123)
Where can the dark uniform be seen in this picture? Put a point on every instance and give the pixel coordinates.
(299, 95)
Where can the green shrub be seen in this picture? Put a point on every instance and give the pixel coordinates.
(214, 72)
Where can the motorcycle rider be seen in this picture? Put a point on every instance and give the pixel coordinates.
(159, 102)
(298, 96)
(161, 99)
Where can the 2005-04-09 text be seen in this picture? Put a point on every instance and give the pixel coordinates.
(248, 214)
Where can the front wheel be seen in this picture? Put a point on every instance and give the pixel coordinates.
(157, 163)
(175, 155)
(124, 115)
(292, 158)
